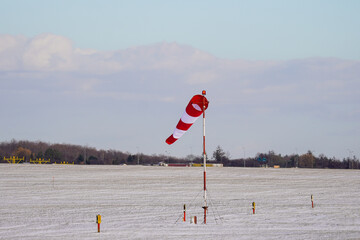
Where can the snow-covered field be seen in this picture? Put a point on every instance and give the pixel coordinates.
(138, 202)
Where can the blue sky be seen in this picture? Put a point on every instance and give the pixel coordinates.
(280, 75)
(252, 30)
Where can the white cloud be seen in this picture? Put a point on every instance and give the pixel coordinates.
(11, 48)
(309, 82)
(48, 52)
(9, 42)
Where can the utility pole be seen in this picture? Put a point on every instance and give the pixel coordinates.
(244, 156)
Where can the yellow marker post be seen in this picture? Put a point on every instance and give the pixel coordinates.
(98, 221)
(253, 207)
(312, 201)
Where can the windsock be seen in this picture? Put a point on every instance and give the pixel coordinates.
(194, 109)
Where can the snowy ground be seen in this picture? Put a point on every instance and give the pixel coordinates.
(137, 202)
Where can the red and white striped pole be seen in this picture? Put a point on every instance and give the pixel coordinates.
(205, 207)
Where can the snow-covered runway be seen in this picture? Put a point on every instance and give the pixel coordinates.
(138, 202)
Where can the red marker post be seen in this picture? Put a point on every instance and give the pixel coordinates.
(253, 207)
(184, 213)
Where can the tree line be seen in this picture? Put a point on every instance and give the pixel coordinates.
(271, 159)
(57, 153)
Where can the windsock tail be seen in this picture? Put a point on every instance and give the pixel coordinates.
(170, 140)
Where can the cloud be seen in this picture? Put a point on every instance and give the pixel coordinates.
(48, 52)
(11, 49)
(303, 83)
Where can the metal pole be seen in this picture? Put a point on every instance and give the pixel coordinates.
(204, 155)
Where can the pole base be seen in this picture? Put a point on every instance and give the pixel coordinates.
(205, 211)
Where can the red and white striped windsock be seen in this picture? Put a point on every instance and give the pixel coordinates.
(192, 112)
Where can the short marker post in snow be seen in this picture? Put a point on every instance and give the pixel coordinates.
(312, 201)
(193, 219)
(253, 207)
(184, 213)
(98, 221)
